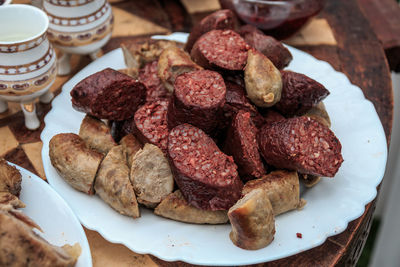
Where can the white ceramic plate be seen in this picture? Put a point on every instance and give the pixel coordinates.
(59, 224)
(332, 204)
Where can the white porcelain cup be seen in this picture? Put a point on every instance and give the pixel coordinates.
(28, 64)
(78, 27)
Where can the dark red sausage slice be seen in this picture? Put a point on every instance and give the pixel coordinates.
(148, 75)
(207, 177)
(241, 143)
(267, 45)
(221, 50)
(272, 116)
(301, 144)
(219, 20)
(198, 99)
(108, 94)
(150, 124)
(299, 93)
(236, 100)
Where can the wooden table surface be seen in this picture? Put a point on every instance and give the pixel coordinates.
(340, 35)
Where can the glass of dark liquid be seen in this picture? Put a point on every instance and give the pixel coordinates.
(279, 18)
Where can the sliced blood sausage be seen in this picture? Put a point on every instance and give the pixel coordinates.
(219, 20)
(221, 50)
(267, 45)
(198, 99)
(301, 144)
(207, 178)
(299, 93)
(272, 116)
(148, 75)
(241, 143)
(173, 62)
(150, 123)
(236, 100)
(108, 94)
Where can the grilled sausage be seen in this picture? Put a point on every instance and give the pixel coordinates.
(175, 207)
(151, 176)
(74, 161)
(263, 80)
(282, 188)
(252, 220)
(113, 184)
(96, 134)
(131, 145)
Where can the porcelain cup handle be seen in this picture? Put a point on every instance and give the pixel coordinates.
(31, 120)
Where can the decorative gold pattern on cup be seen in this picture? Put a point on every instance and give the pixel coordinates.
(61, 21)
(24, 46)
(29, 67)
(26, 87)
(83, 37)
(70, 3)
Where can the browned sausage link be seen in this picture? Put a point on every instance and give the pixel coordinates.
(299, 93)
(113, 184)
(263, 80)
(301, 144)
(155, 89)
(207, 178)
(220, 50)
(252, 220)
(241, 143)
(282, 187)
(236, 100)
(219, 20)
(96, 134)
(108, 94)
(198, 99)
(150, 123)
(173, 62)
(131, 145)
(175, 207)
(10, 178)
(74, 161)
(151, 176)
(268, 45)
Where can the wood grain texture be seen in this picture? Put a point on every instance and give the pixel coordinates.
(384, 17)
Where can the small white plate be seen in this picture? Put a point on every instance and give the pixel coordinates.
(53, 215)
(331, 205)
